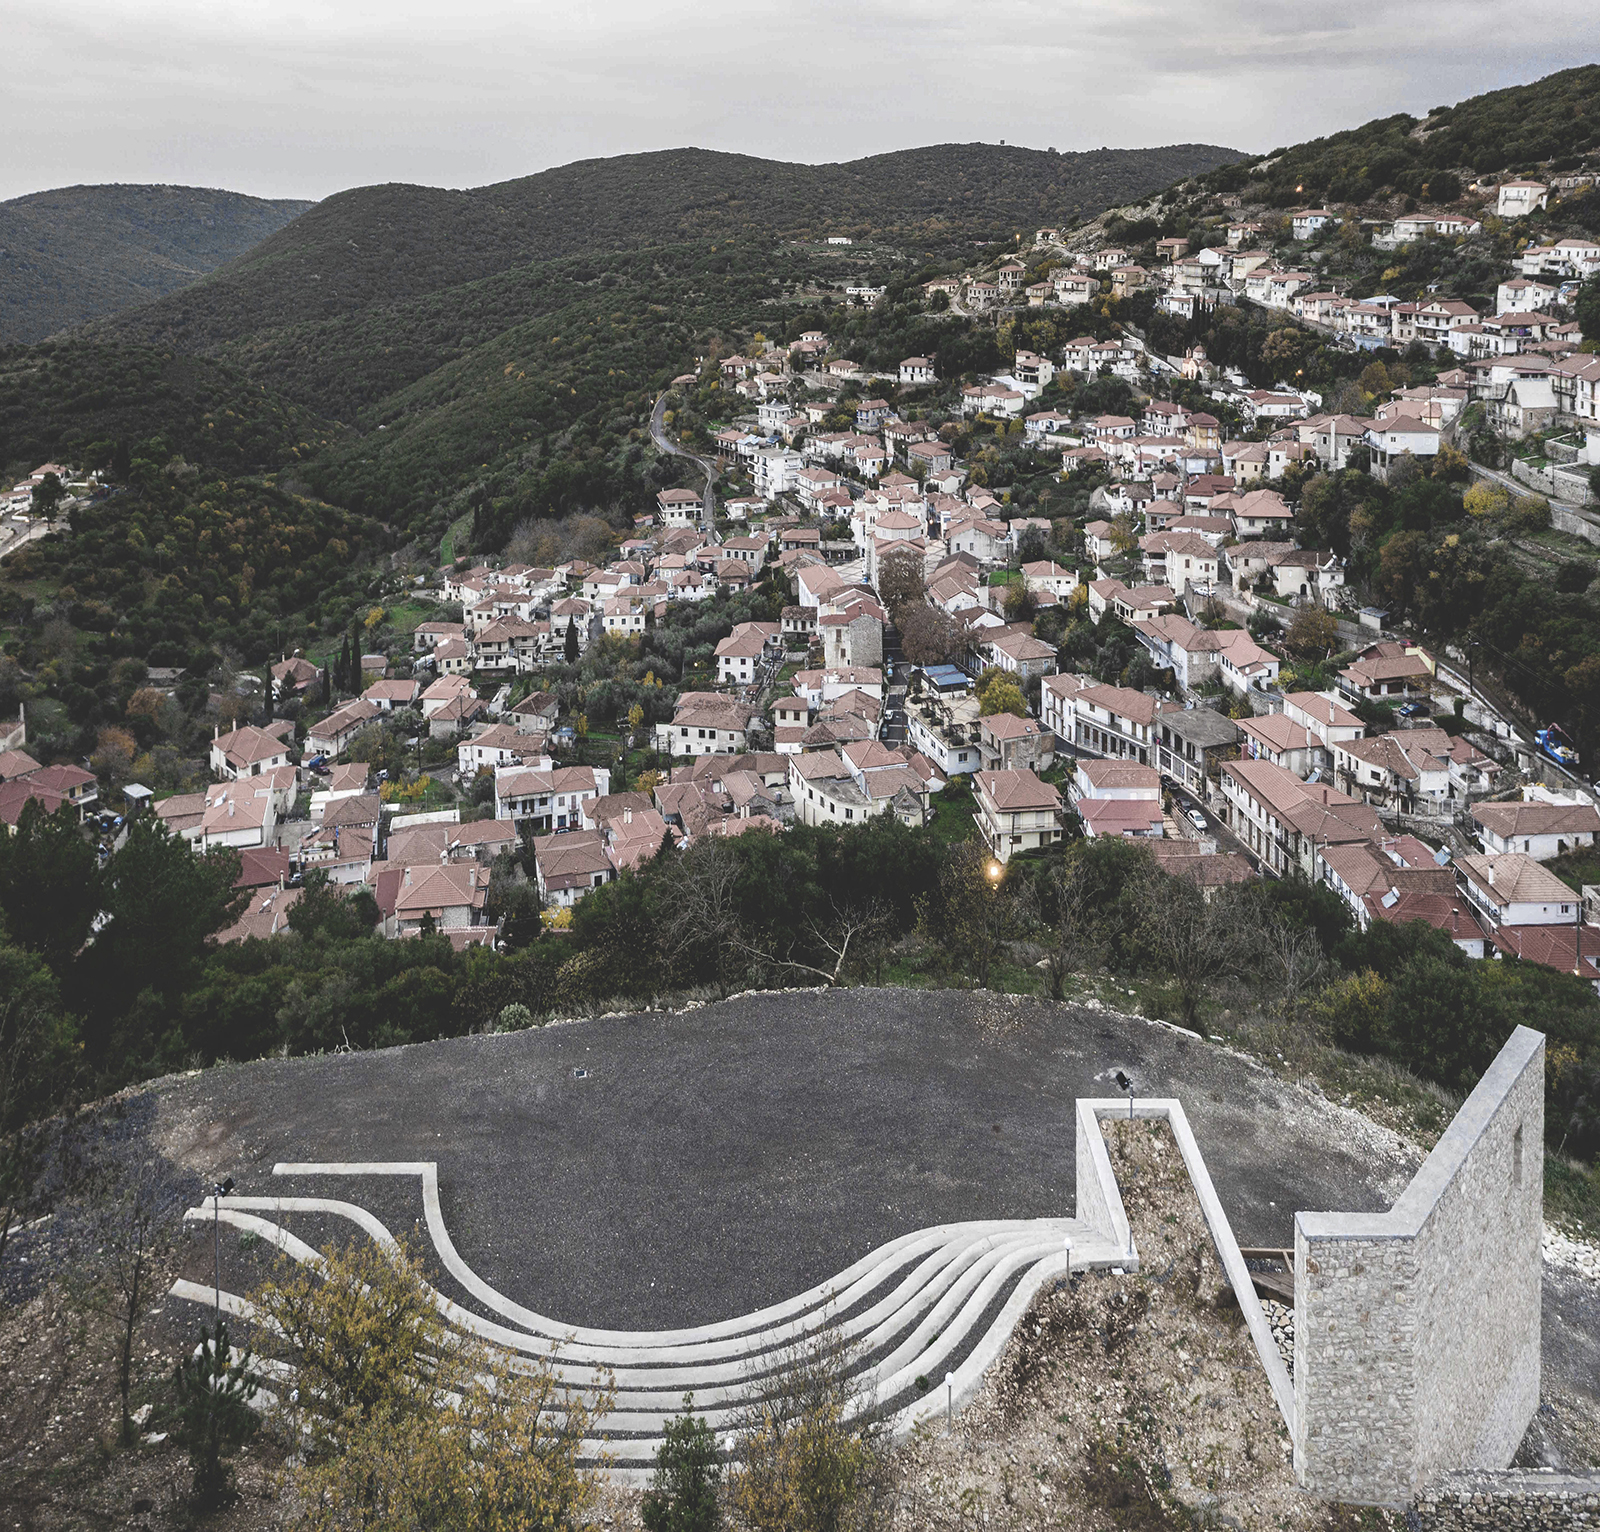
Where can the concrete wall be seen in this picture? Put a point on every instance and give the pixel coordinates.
(1417, 1331)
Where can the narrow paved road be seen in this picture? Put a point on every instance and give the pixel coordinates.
(658, 434)
(14, 537)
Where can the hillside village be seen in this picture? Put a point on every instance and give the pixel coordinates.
(652, 727)
(902, 645)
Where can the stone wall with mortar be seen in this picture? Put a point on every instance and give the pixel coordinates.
(1532, 1501)
(1417, 1331)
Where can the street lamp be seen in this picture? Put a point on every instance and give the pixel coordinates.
(218, 1192)
(994, 870)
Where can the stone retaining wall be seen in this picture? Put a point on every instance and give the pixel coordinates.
(1417, 1331)
(1540, 479)
(1556, 482)
(1515, 1501)
(1574, 523)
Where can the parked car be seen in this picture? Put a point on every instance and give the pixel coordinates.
(1413, 709)
(1197, 819)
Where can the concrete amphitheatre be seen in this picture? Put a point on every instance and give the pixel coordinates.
(680, 1197)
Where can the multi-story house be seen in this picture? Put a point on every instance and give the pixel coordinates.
(1016, 812)
(1110, 721)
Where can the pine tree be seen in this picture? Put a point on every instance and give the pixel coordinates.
(569, 645)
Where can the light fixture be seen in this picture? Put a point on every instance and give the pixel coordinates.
(219, 1190)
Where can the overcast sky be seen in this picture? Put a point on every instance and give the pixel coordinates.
(300, 98)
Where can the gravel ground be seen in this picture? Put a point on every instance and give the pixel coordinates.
(715, 1161)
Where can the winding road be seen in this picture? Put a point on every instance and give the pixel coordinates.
(658, 434)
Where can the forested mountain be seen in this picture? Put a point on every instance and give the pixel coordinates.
(380, 244)
(80, 252)
(519, 328)
(1548, 123)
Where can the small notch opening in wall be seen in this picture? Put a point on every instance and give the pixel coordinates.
(1516, 1156)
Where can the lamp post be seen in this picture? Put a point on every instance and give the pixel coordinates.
(218, 1192)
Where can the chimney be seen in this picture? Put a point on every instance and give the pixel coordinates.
(1491, 874)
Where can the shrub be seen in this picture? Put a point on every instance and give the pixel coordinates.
(683, 1494)
(805, 1463)
(407, 1425)
(214, 1394)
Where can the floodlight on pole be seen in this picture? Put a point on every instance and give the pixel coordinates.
(949, 1398)
(218, 1192)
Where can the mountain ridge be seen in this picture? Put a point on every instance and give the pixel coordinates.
(395, 240)
(72, 254)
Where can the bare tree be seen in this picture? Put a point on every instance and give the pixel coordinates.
(1196, 940)
(1294, 955)
(929, 636)
(702, 905)
(900, 580)
(1062, 906)
(131, 1227)
(852, 928)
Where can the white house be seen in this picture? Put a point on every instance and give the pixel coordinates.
(678, 507)
(1047, 578)
(739, 654)
(1391, 440)
(1514, 890)
(1111, 721)
(1539, 830)
(1516, 199)
(1022, 654)
(1016, 812)
(1309, 221)
(1522, 295)
(247, 752)
(1032, 372)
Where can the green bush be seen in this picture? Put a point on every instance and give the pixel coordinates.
(214, 1391)
(683, 1497)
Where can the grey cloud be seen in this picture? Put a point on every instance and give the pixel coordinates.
(305, 97)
